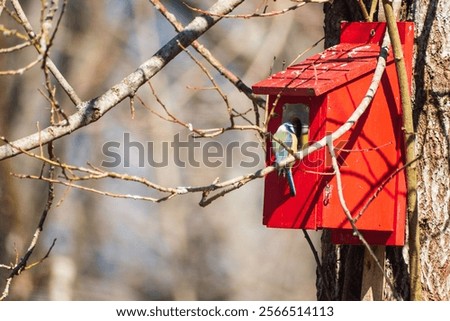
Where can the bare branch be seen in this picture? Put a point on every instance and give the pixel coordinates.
(91, 111)
(260, 15)
(364, 12)
(381, 187)
(38, 45)
(410, 151)
(15, 48)
(373, 7)
(170, 117)
(306, 50)
(351, 220)
(95, 173)
(213, 132)
(231, 111)
(236, 81)
(2, 5)
(363, 150)
(317, 259)
(20, 71)
(70, 184)
(22, 263)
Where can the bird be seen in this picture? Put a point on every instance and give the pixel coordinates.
(285, 134)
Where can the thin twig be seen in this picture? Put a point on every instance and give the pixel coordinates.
(236, 81)
(213, 132)
(307, 50)
(22, 264)
(216, 87)
(362, 150)
(95, 173)
(204, 133)
(373, 8)
(409, 139)
(317, 259)
(132, 108)
(54, 70)
(90, 111)
(92, 190)
(381, 187)
(20, 71)
(170, 117)
(15, 48)
(2, 5)
(257, 14)
(47, 42)
(364, 12)
(351, 220)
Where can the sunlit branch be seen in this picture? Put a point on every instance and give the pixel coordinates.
(91, 111)
(349, 217)
(38, 45)
(236, 81)
(22, 263)
(261, 15)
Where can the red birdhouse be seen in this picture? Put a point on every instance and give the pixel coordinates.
(318, 96)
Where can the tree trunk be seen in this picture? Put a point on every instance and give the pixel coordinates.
(432, 110)
(341, 277)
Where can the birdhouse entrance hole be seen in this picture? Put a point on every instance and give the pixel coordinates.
(298, 115)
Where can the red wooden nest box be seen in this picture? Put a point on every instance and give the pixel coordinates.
(320, 94)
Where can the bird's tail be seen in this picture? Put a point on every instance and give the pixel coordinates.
(290, 180)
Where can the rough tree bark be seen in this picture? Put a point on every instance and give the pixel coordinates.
(342, 265)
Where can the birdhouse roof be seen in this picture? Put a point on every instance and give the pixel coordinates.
(323, 72)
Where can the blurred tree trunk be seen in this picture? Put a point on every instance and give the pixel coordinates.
(342, 265)
(8, 193)
(13, 221)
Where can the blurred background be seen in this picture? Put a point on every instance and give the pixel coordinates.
(118, 249)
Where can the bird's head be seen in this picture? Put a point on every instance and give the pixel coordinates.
(287, 127)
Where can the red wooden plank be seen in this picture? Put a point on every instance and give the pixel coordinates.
(322, 72)
(352, 32)
(372, 32)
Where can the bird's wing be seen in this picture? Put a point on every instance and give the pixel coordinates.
(280, 152)
(294, 142)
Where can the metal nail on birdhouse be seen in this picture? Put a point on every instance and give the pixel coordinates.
(317, 96)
